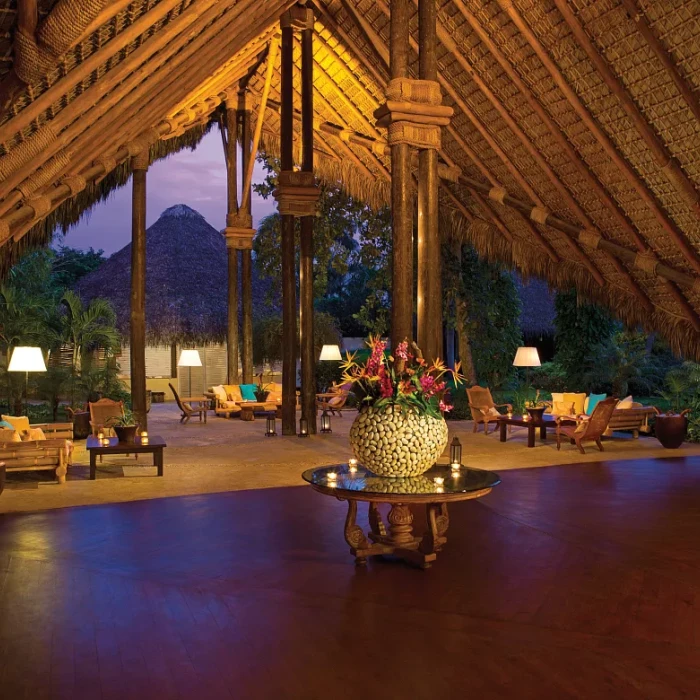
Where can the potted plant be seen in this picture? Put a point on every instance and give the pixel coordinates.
(671, 426)
(262, 392)
(124, 426)
(399, 430)
(536, 407)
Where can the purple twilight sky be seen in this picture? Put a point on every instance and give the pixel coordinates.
(196, 178)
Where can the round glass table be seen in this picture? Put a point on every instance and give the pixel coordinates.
(434, 489)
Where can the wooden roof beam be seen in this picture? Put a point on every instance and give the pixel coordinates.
(663, 157)
(608, 146)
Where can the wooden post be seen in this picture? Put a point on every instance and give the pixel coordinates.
(246, 259)
(306, 273)
(429, 278)
(289, 301)
(232, 210)
(401, 195)
(137, 324)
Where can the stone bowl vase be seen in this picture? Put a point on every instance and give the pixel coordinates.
(392, 443)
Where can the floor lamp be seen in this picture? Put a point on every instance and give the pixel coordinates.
(27, 359)
(527, 357)
(190, 359)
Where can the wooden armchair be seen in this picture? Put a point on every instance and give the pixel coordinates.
(483, 409)
(334, 400)
(101, 412)
(188, 410)
(587, 428)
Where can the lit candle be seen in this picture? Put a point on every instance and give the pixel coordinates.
(439, 489)
(352, 462)
(455, 466)
(105, 442)
(439, 481)
(332, 476)
(510, 414)
(100, 435)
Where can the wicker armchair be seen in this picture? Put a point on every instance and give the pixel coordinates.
(102, 411)
(590, 429)
(483, 409)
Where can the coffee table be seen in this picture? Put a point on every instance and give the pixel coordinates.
(531, 424)
(155, 446)
(398, 541)
(248, 409)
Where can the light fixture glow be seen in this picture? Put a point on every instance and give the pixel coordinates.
(526, 357)
(189, 358)
(27, 359)
(330, 353)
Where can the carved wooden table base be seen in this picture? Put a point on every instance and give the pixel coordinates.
(399, 541)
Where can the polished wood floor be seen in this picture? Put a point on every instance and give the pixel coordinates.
(580, 581)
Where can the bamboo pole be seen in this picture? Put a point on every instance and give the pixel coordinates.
(231, 154)
(306, 257)
(244, 117)
(603, 139)
(248, 178)
(429, 261)
(663, 157)
(137, 325)
(289, 301)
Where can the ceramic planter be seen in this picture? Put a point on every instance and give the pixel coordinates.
(671, 430)
(392, 443)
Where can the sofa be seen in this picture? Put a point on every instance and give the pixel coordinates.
(229, 398)
(628, 415)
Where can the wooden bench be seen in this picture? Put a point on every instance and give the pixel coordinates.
(35, 455)
(635, 419)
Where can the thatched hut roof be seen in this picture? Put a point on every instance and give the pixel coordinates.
(588, 110)
(186, 281)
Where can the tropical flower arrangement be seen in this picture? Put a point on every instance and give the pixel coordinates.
(403, 379)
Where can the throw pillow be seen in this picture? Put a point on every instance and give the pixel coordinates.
(577, 399)
(625, 404)
(581, 426)
(593, 401)
(35, 434)
(248, 392)
(233, 391)
(9, 435)
(19, 423)
(5, 424)
(493, 411)
(557, 398)
(561, 408)
(219, 392)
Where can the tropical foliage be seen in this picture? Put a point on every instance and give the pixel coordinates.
(404, 379)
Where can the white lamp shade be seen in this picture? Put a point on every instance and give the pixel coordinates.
(330, 352)
(189, 358)
(526, 357)
(27, 359)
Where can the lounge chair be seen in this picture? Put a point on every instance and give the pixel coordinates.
(587, 428)
(483, 409)
(188, 410)
(334, 401)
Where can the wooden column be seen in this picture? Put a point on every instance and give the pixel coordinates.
(401, 195)
(246, 253)
(232, 210)
(306, 270)
(137, 324)
(429, 278)
(289, 301)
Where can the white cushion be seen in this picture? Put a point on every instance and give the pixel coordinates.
(626, 403)
(220, 392)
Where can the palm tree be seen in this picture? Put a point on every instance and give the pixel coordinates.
(87, 328)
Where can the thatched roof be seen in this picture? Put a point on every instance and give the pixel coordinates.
(588, 110)
(186, 281)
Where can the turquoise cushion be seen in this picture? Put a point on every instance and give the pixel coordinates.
(5, 424)
(594, 400)
(248, 392)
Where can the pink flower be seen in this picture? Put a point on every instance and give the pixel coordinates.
(427, 383)
(385, 388)
(444, 407)
(402, 351)
(375, 359)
